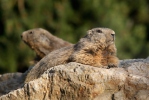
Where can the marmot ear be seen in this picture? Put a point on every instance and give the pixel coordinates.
(89, 32)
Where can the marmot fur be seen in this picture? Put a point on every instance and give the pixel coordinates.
(97, 49)
(42, 41)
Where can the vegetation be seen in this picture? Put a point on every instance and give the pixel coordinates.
(70, 19)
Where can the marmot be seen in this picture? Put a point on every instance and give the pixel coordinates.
(42, 41)
(97, 49)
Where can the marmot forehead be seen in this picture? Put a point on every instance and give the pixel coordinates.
(37, 32)
(103, 30)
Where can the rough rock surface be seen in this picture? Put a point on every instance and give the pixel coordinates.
(74, 81)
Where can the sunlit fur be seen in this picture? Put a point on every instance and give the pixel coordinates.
(97, 49)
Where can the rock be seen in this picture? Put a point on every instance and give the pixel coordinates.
(74, 81)
(10, 81)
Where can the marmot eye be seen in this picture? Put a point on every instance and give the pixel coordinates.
(98, 31)
(31, 32)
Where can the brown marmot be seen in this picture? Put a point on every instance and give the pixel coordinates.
(97, 49)
(42, 41)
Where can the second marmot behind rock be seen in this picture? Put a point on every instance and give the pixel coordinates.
(97, 49)
(42, 41)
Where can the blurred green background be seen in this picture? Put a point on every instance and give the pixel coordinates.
(70, 19)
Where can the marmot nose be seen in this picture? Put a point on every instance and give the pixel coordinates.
(113, 36)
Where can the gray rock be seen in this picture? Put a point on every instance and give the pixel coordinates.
(74, 81)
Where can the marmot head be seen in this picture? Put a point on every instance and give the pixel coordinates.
(102, 35)
(96, 38)
(37, 39)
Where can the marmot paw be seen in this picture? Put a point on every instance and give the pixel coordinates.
(112, 66)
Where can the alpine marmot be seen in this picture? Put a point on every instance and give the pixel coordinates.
(42, 41)
(97, 49)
